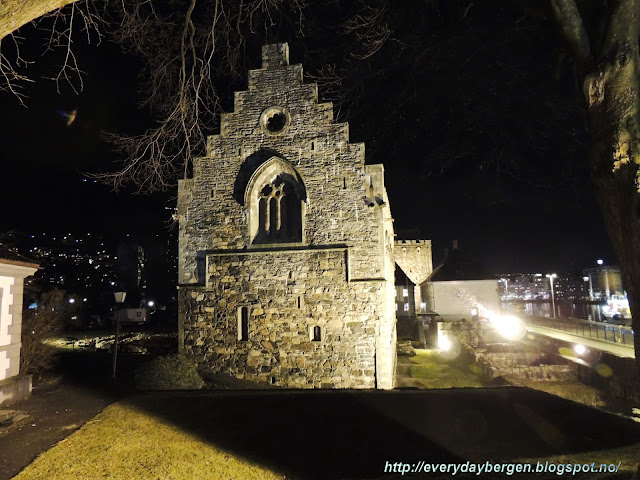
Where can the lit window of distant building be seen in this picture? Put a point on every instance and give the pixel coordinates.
(405, 292)
(406, 307)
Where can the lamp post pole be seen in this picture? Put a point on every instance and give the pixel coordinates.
(553, 301)
(506, 287)
(119, 296)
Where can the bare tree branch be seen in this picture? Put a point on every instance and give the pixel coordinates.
(185, 53)
(16, 13)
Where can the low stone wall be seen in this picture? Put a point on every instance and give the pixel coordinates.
(469, 332)
(514, 362)
(523, 366)
(14, 389)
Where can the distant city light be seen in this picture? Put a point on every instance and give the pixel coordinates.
(600, 261)
(151, 303)
(72, 300)
(84, 299)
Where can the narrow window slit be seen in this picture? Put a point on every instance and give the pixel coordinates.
(243, 323)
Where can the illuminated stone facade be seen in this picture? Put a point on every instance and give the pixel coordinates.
(414, 258)
(286, 244)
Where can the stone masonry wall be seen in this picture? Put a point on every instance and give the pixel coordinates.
(286, 297)
(344, 208)
(211, 211)
(415, 259)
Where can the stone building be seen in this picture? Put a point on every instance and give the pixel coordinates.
(414, 258)
(286, 271)
(460, 288)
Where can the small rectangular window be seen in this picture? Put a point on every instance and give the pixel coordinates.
(243, 323)
(405, 292)
(213, 193)
(239, 151)
(406, 307)
(313, 145)
(396, 307)
(317, 334)
(344, 183)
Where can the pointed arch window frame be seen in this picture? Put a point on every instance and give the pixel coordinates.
(263, 175)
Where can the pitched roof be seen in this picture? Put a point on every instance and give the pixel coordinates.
(401, 277)
(11, 256)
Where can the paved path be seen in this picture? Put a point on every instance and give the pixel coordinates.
(53, 413)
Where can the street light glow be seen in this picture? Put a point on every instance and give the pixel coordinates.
(579, 349)
(599, 261)
(443, 342)
(509, 326)
(72, 300)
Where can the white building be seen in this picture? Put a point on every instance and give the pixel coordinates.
(459, 288)
(13, 270)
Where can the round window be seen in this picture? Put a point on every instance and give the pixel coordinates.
(274, 120)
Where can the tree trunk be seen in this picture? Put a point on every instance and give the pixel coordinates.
(612, 91)
(15, 13)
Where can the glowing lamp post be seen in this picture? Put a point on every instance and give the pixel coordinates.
(119, 296)
(553, 301)
(506, 287)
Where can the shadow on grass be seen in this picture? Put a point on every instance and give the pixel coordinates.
(351, 434)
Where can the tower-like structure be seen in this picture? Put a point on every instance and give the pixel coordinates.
(286, 244)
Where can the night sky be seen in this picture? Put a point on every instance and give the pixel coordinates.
(493, 160)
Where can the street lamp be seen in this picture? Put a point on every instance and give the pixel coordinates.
(588, 279)
(506, 287)
(119, 296)
(553, 301)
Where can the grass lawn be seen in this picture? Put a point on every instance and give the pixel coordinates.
(429, 369)
(125, 443)
(335, 435)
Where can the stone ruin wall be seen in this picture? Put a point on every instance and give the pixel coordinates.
(347, 208)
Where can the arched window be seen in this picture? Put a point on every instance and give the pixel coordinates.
(275, 198)
(279, 212)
